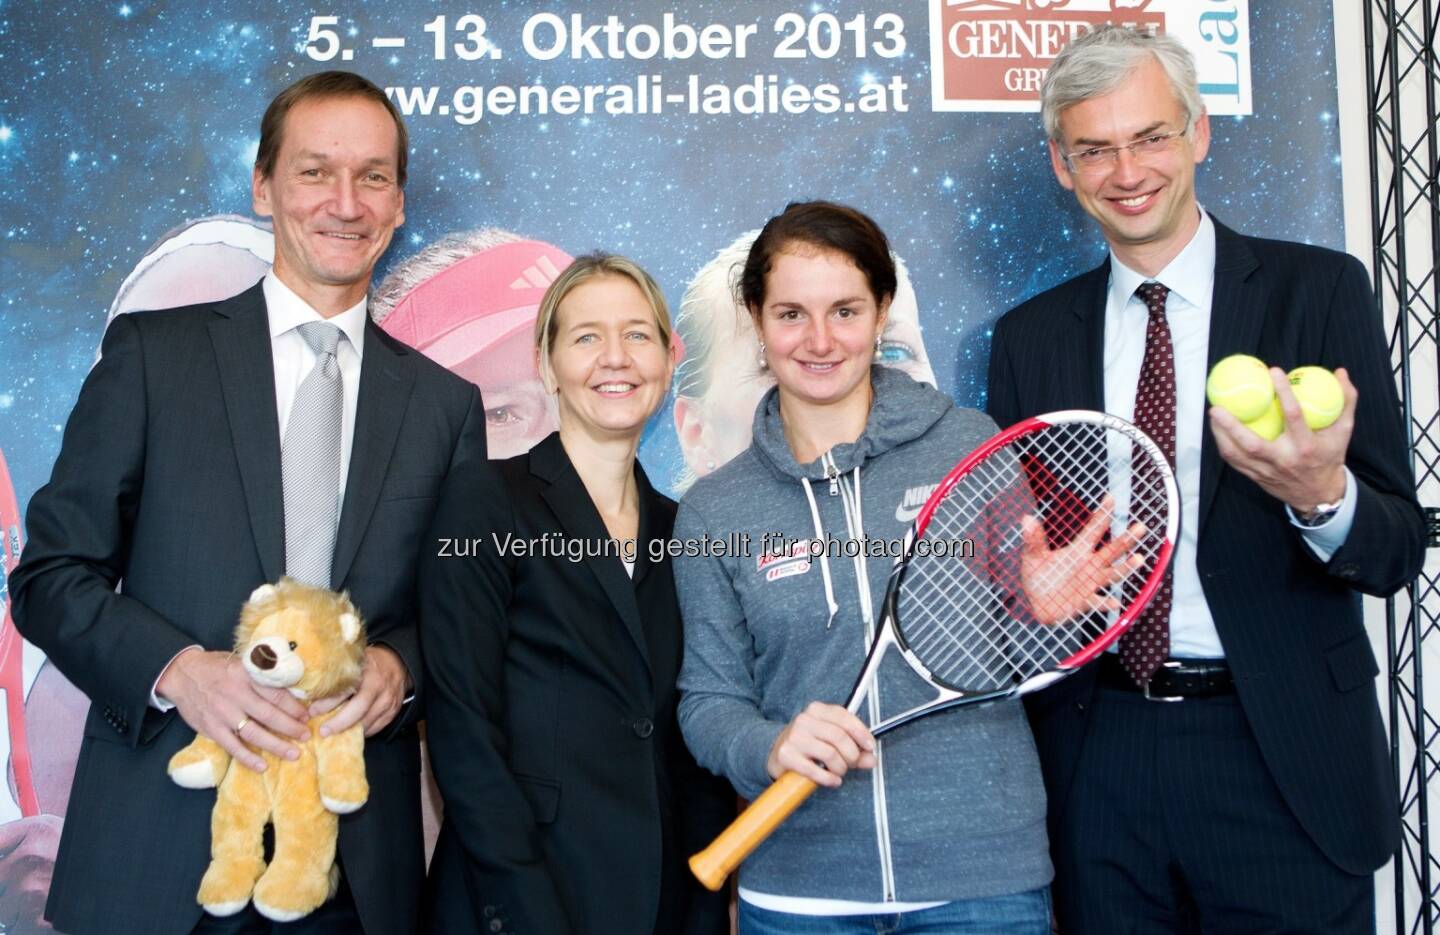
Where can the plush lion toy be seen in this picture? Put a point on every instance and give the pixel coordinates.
(310, 641)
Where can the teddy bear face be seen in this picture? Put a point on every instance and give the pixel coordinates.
(302, 639)
(282, 650)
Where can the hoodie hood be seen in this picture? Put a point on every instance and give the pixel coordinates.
(901, 410)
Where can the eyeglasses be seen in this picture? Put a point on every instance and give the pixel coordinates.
(1101, 158)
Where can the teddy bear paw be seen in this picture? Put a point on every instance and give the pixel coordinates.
(340, 806)
(285, 897)
(279, 914)
(197, 775)
(226, 887)
(224, 909)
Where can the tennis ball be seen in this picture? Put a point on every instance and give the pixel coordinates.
(1319, 395)
(1240, 384)
(1270, 423)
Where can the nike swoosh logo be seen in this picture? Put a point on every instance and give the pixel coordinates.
(907, 514)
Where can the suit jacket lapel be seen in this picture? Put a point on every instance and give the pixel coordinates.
(1086, 356)
(241, 340)
(1237, 317)
(570, 502)
(385, 385)
(650, 524)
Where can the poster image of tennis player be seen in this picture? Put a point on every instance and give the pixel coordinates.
(39, 782)
(468, 302)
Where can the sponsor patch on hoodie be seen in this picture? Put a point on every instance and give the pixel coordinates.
(783, 562)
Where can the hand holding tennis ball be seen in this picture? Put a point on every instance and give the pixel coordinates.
(1319, 395)
(1240, 384)
(1302, 466)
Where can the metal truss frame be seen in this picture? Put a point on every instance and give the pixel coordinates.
(1402, 86)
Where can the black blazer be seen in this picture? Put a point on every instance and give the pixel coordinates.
(1291, 626)
(168, 482)
(571, 801)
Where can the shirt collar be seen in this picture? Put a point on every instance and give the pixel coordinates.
(288, 311)
(1191, 275)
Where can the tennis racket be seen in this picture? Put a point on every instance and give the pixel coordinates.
(1034, 554)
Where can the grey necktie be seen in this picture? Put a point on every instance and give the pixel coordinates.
(310, 461)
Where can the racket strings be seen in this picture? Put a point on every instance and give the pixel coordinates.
(1020, 585)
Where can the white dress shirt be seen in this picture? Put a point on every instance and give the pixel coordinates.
(293, 360)
(1190, 277)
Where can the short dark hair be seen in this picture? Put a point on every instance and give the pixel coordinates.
(826, 226)
(321, 85)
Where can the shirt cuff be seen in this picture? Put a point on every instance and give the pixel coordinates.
(1326, 539)
(156, 702)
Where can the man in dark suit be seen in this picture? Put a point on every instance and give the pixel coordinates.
(214, 448)
(1226, 769)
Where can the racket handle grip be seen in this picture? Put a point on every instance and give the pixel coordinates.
(712, 865)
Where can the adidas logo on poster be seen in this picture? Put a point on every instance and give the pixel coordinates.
(539, 275)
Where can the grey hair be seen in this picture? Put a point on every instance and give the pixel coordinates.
(1098, 63)
(434, 259)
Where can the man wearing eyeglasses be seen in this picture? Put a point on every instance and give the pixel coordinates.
(1225, 767)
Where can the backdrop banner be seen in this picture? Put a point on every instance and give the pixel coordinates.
(667, 132)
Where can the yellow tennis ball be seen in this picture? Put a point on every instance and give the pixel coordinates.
(1319, 395)
(1240, 384)
(1270, 423)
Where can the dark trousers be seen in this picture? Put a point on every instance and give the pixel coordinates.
(336, 917)
(1174, 825)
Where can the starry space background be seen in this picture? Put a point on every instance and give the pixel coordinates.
(121, 120)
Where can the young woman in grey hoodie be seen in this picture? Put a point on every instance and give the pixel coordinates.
(943, 823)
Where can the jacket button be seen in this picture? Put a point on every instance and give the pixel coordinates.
(1079, 707)
(496, 925)
(489, 912)
(643, 727)
(1348, 571)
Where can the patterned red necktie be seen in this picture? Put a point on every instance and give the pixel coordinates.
(1147, 643)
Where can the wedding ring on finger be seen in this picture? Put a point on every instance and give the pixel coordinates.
(241, 726)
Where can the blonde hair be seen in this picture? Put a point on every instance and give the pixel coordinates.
(585, 268)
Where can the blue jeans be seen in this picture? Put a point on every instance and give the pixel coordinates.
(1018, 914)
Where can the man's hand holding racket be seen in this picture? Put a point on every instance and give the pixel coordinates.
(1075, 579)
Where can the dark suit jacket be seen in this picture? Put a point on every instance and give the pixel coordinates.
(168, 482)
(571, 801)
(1291, 625)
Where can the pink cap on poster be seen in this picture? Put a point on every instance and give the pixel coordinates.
(476, 302)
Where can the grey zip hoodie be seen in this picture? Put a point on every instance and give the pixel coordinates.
(955, 808)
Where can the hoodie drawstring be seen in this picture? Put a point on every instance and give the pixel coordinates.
(855, 520)
(830, 604)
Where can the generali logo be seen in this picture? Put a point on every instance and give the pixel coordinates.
(992, 55)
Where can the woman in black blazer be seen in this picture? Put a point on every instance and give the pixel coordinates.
(552, 641)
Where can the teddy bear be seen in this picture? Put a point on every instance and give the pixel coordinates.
(310, 641)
